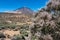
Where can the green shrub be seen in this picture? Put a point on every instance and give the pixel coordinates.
(24, 32)
(25, 26)
(18, 37)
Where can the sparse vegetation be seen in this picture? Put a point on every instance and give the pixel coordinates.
(17, 37)
(45, 24)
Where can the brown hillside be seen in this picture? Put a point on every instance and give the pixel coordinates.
(14, 18)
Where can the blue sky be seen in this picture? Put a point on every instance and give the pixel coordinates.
(14, 4)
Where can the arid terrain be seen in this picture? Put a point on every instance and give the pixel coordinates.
(11, 22)
(25, 24)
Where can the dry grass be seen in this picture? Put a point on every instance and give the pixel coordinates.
(10, 32)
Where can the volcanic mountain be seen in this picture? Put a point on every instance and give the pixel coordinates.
(25, 10)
